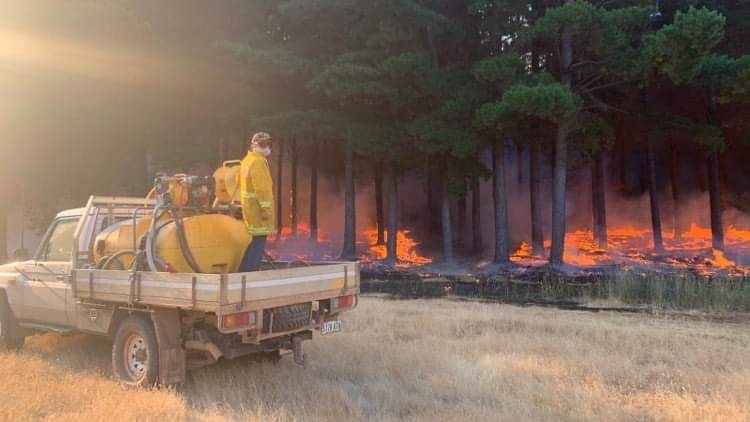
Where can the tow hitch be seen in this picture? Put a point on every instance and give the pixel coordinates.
(299, 355)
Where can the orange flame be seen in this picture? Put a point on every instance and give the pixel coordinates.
(720, 260)
(523, 251)
(303, 232)
(734, 235)
(632, 246)
(406, 249)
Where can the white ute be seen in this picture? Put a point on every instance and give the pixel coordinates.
(165, 323)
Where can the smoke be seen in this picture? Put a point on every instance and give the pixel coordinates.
(92, 92)
(330, 211)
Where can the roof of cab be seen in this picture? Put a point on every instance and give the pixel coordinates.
(75, 212)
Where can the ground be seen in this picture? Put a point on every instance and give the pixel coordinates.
(422, 360)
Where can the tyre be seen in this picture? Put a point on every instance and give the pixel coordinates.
(135, 356)
(10, 333)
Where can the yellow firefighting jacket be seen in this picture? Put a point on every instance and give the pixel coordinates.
(256, 189)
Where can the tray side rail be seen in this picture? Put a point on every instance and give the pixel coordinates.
(188, 291)
(272, 288)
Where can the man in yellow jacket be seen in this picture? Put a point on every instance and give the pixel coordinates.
(256, 188)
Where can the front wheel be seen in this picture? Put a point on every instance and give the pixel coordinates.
(135, 358)
(10, 333)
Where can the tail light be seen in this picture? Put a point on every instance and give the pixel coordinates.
(238, 320)
(344, 302)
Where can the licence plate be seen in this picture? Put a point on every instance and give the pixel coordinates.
(330, 327)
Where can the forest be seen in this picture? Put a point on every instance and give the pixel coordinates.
(540, 118)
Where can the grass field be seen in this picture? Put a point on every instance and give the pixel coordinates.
(422, 360)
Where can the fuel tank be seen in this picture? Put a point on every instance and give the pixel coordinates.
(216, 241)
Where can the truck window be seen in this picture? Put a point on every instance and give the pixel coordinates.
(59, 244)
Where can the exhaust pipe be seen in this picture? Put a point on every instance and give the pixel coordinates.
(205, 346)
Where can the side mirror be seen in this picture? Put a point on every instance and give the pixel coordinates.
(20, 254)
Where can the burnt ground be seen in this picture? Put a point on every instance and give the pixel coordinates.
(567, 288)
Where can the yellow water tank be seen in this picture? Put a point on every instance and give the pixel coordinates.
(216, 241)
(119, 237)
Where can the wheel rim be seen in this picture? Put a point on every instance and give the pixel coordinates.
(135, 356)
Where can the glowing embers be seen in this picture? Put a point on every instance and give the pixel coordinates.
(406, 249)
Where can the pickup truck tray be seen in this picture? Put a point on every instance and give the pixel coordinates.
(219, 293)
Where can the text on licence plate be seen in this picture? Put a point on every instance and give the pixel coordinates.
(330, 327)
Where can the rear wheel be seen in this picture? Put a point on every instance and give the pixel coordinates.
(10, 333)
(135, 358)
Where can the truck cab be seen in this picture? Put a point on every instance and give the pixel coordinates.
(39, 291)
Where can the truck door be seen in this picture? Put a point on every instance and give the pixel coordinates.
(46, 289)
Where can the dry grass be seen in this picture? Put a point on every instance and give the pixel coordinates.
(422, 360)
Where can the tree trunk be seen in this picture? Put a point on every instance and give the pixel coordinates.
(561, 158)
(623, 175)
(714, 194)
(476, 216)
(714, 182)
(652, 185)
(519, 166)
(445, 215)
(293, 193)
(535, 198)
(676, 192)
(559, 196)
(598, 201)
(349, 251)
(433, 199)
(391, 247)
(535, 162)
(461, 226)
(700, 173)
(502, 253)
(280, 193)
(379, 203)
(314, 193)
(4, 234)
(653, 195)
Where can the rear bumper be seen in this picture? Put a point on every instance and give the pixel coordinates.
(283, 342)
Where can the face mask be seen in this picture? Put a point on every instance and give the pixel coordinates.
(263, 151)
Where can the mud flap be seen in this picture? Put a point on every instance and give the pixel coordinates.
(299, 354)
(172, 360)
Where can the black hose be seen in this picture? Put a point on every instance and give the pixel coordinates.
(105, 263)
(184, 246)
(151, 257)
